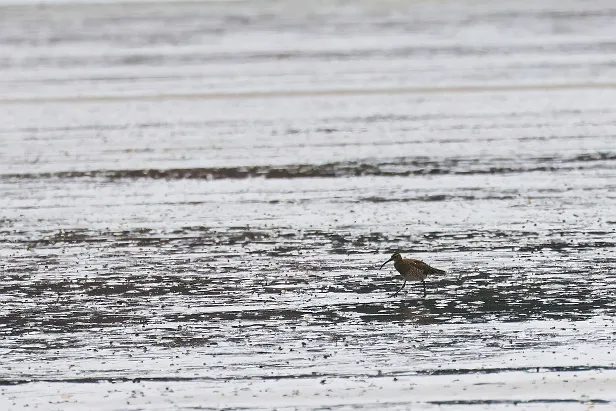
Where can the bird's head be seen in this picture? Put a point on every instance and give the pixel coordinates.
(394, 257)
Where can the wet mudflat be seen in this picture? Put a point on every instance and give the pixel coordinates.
(196, 199)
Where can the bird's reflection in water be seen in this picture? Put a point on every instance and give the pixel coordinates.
(416, 314)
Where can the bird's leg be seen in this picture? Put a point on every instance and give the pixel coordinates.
(424, 285)
(403, 284)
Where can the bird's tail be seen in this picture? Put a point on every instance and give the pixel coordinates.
(437, 271)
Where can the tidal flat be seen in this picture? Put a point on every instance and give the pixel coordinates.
(195, 199)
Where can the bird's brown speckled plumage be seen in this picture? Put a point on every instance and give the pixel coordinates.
(412, 270)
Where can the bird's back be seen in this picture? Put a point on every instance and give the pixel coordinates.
(428, 269)
(415, 267)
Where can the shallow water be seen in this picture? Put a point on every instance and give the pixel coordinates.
(196, 199)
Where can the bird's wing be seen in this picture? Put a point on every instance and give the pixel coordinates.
(425, 267)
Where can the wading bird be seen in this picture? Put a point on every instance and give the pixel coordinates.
(412, 270)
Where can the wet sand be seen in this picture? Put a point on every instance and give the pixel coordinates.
(196, 198)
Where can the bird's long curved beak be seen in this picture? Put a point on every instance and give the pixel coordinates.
(391, 259)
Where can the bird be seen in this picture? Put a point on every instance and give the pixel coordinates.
(411, 270)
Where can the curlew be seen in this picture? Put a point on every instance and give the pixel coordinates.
(412, 270)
